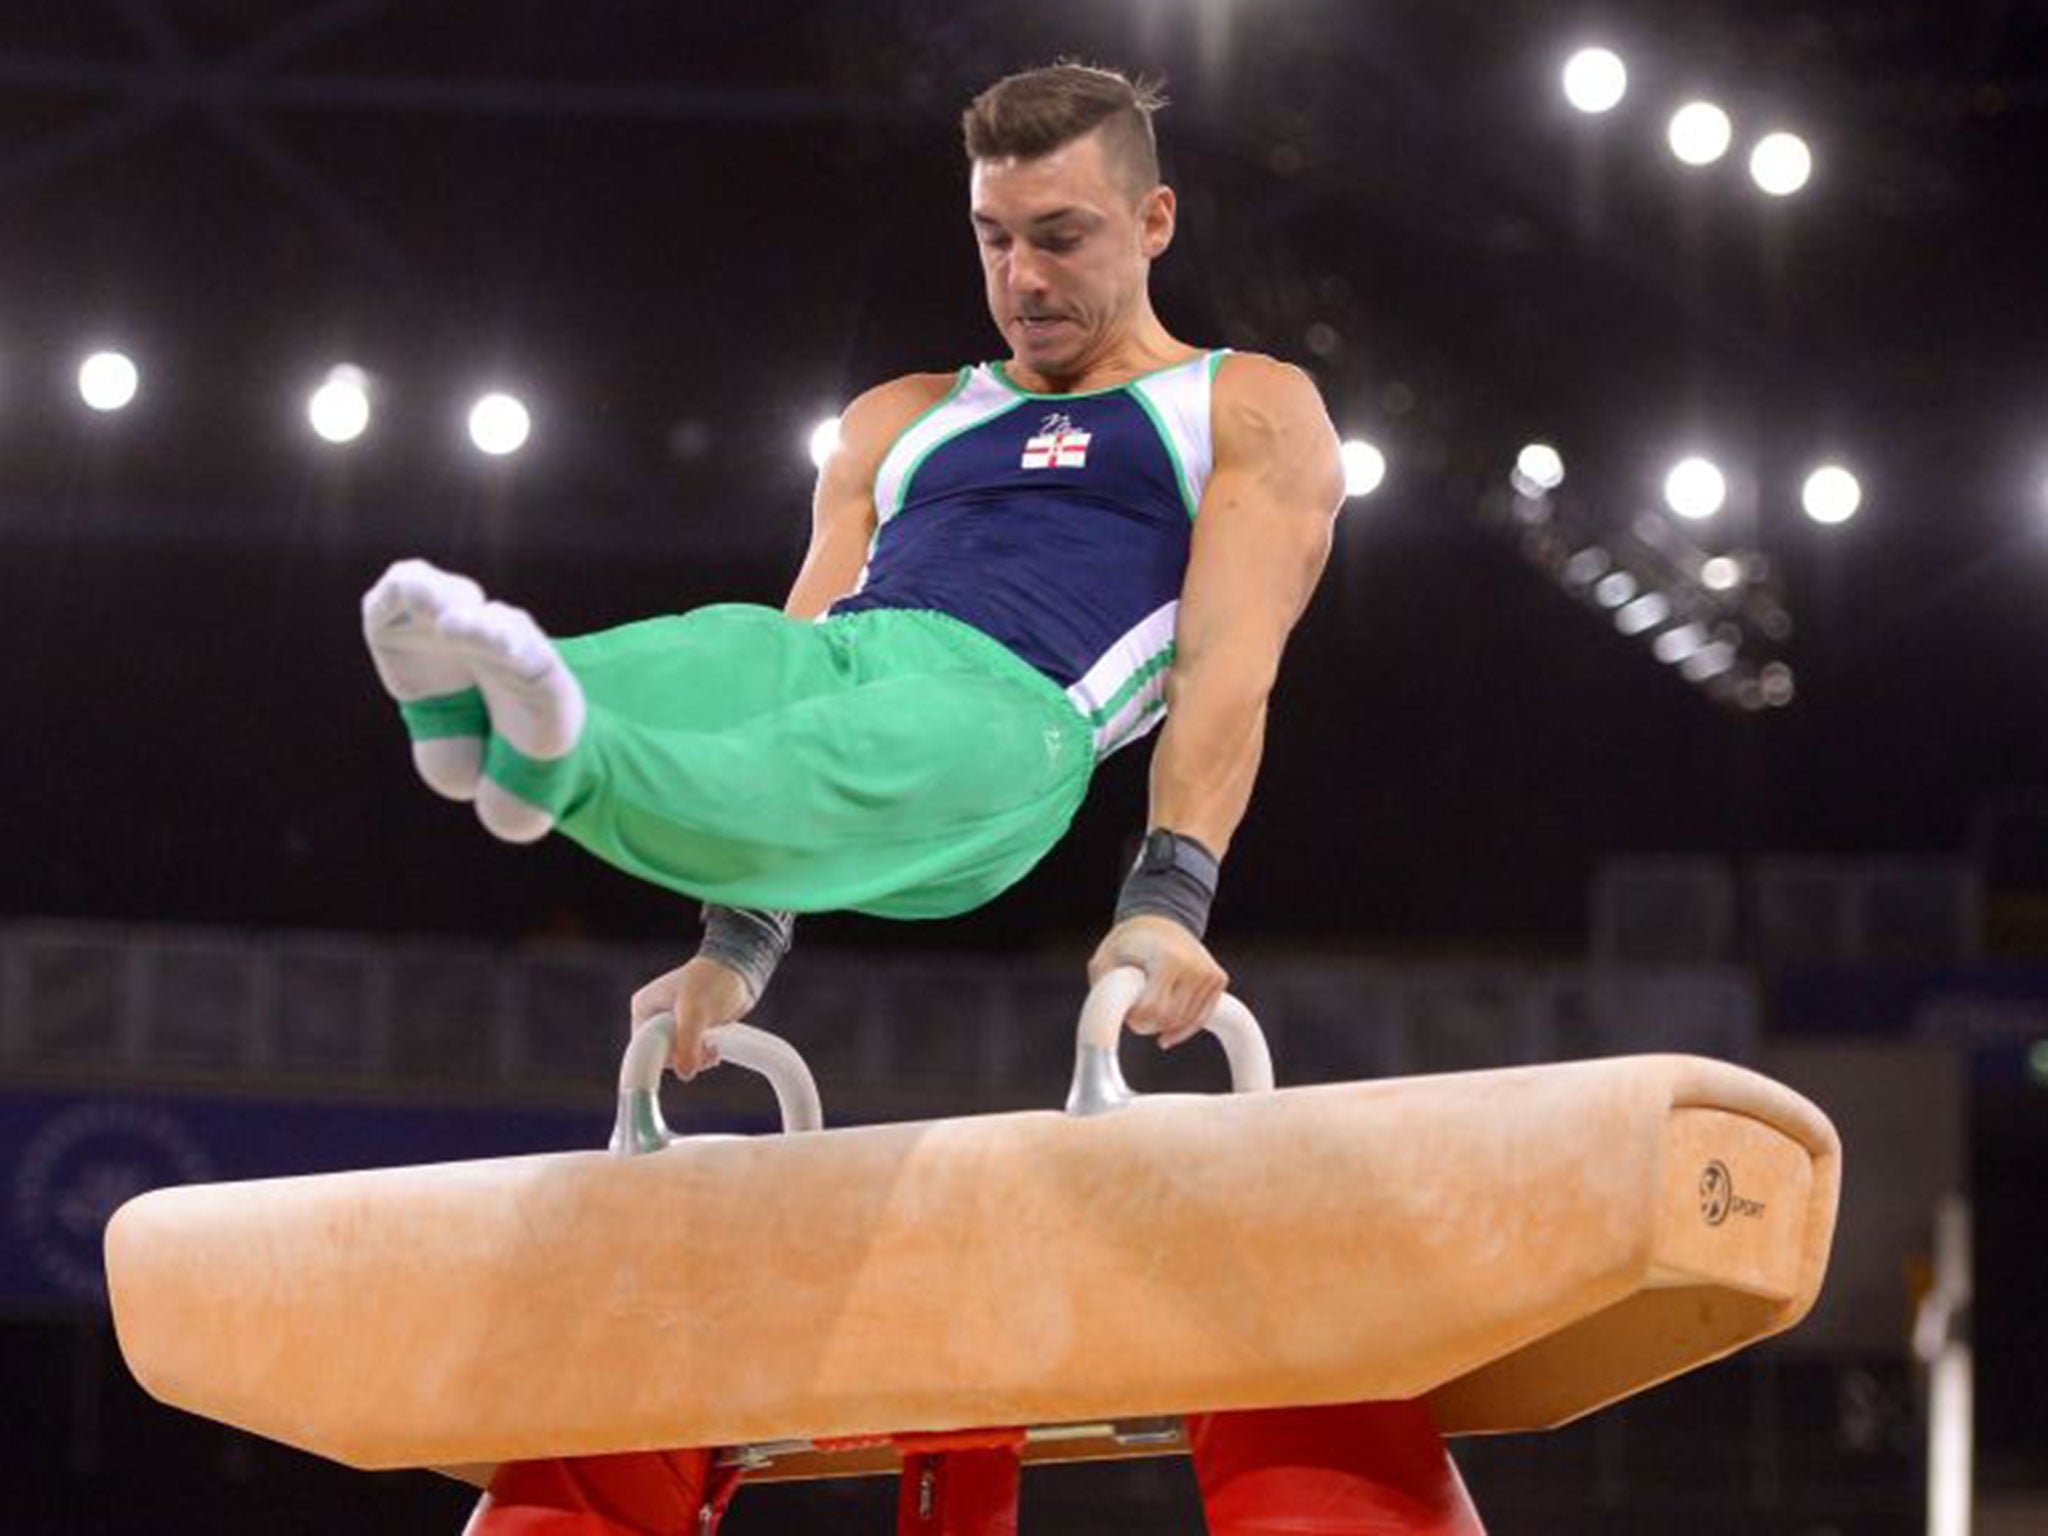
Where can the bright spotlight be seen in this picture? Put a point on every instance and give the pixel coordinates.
(1538, 468)
(1781, 163)
(824, 439)
(1708, 662)
(107, 381)
(1646, 612)
(1721, 574)
(1674, 645)
(1700, 133)
(498, 424)
(1695, 489)
(1364, 467)
(340, 408)
(1587, 566)
(1595, 80)
(1831, 494)
(1614, 589)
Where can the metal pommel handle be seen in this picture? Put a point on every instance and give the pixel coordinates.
(640, 1128)
(1098, 1077)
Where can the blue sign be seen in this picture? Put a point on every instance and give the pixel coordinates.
(74, 1159)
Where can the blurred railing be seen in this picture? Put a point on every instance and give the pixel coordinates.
(885, 1035)
(1787, 911)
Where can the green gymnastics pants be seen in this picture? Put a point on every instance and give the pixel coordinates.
(891, 762)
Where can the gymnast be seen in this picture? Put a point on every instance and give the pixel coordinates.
(1014, 570)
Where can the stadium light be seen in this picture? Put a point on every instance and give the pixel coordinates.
(1674, 645)
(1781, 163)
(339, 409)
(1700, 133)
(824, 439)
(1539, 469)
(1646, 612)
(1595, 80)
(1721, 574)
(1614, 589)
(1364, 467)
(1695, 489)
(1831, 494)
(499, 424)
(108, 381)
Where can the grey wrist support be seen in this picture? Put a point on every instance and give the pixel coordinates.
(748, 941)
(1175, 877)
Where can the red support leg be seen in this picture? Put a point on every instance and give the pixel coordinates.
(1364, 1469)
(964, 1488)
(644, 1493)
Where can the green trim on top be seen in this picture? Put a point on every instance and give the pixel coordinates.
(1216, 361)
(1135, 728)
(910, 474)
(959, 383)
(1180, 470)
(1159, 661)
(1002, 376)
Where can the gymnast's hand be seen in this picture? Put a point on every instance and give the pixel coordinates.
(702, 994)
(1183, 982)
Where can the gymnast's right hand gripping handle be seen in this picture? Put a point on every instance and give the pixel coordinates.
(640, 1128)
(1098, 1077)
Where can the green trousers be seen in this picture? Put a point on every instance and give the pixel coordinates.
(895, 763)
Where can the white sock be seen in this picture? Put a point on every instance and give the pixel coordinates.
(401, 616)
(536, 703)
(506, 816)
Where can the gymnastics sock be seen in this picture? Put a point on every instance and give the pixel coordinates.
(414, 662)
(534, 700)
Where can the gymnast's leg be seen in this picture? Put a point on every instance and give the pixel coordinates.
(895, 763)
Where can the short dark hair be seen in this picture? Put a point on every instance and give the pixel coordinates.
(1034, 113)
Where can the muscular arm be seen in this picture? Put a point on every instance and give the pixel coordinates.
(1261, 539)
(843, 506)
(708, 991)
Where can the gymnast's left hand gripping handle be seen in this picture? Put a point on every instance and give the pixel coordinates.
(640, 1128)
(1098, 1078)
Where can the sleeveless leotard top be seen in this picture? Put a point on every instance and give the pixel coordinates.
(1056, 524)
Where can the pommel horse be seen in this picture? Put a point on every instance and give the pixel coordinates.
(1307, 1287)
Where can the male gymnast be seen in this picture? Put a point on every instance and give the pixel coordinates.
(1015, 569)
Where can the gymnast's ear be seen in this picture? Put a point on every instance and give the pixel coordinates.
(1157, 210)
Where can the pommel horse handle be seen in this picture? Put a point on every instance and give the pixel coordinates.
(640, 1128)
(1099, 1083)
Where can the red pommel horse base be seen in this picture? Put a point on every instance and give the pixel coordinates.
(1332, 1277)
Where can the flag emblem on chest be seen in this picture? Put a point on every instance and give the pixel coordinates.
(1056, 445)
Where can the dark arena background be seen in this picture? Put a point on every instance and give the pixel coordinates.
(1679, 681)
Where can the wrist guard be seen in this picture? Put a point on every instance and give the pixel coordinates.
(1175, 877)
(748, 941)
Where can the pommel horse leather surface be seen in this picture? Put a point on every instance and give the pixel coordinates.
(1521, 1245)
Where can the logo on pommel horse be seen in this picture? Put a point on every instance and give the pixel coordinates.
(1718, 1198)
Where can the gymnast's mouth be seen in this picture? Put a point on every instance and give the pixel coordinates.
(1042, 322)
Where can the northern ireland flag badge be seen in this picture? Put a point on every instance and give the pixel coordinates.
(1057, 445)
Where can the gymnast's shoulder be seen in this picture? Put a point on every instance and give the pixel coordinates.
(1266, 410)
(879, 415)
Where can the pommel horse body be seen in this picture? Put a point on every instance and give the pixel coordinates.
(1291, 1283)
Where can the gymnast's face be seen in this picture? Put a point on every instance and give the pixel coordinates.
(1065, 253)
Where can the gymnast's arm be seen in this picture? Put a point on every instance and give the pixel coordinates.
(843, 506)
(1261, 540)
(707, 991)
